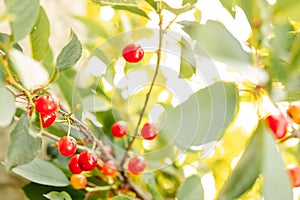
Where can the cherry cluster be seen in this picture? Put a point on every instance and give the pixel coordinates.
(86, 161)
(47, 106)
(278, 124)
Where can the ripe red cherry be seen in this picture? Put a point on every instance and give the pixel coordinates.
(67, 145)
(46, 104)
(295, 175)
(78, 181)
(48, 120)
(87, 161)
(73, 164)
(110, 168)
(149, 131)
(133, 53)
(137, 164)
(294, 111)
(119, 129)
(278, 124)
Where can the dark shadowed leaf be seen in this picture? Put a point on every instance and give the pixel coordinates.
(25, 144)
(70, 54)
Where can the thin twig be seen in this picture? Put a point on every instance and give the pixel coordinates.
(148, 94)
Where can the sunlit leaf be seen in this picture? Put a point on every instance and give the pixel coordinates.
(286, 9)
(129, 5)
(70, 54)
(58, 195)
(276, 181)
(42, 172)
(203, 117)
(121, 198)
(95, 103)
(26, 67)
(132, 9)
(246, 171)
(24, 145)
(2, 76)
(260, 157)
(7, 106)
(93, 26)
(24, 15)
(229, 4)
(177, 11)
(216, 40)
(191, 189)
(187, 60)
(39, 36)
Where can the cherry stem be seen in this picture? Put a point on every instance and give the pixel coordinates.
(147, 95)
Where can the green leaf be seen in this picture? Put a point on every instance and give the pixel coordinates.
(177, 11)
(25, 67)
(293, 95)
(58, 195)
(260, 157)
(39, 36)
(42, 172)
(276, 181)
(191, 189)
(95, 103)
(229, 4)
(2, 76)
(203, 117)
(152, 3)
(132, 9)
(70, 54)
(129, 5)
(187, 60)
(7, 106)
(214, 38)
(24, 15)
(192, 2)
(246, 171)
(24, 145)
(287, 10)
(5, 41)
(93, 25)
(121, 198)
(36, 191)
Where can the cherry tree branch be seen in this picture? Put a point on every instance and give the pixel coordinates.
(161, 32)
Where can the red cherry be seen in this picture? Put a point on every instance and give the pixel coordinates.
(46, 104)
(67, 145)
(137, 164)
(119, 129)
(87, 161)
(110, 168)
(149, 131)
(73, 164)
(294, 111)
(48, 120)
(295, 175)
(278, 124)
(78, 181)
(133, 53)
